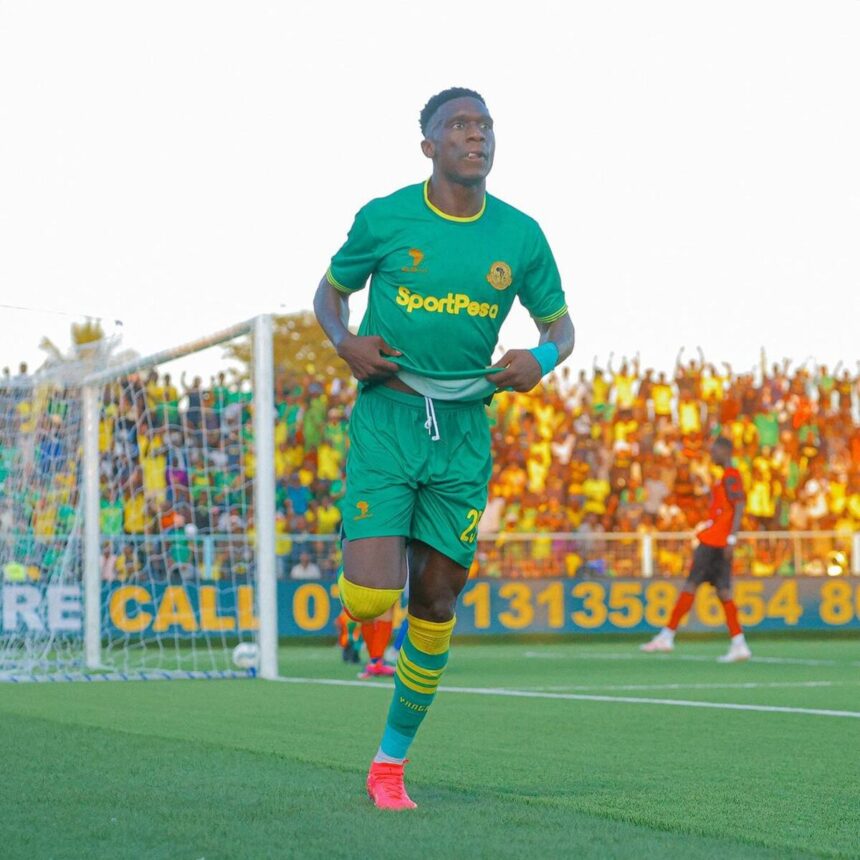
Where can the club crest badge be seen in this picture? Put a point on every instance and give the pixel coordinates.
(500, 277)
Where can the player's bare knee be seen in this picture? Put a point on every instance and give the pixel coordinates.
(724, 594)
(438, 609)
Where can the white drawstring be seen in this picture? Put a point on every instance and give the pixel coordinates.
(430, 424)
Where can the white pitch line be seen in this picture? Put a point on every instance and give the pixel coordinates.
(697, 658)
(586, 697)
(748, 685)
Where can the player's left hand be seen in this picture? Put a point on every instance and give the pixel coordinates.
(519, 370)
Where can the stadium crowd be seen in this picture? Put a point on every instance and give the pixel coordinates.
(615, 450)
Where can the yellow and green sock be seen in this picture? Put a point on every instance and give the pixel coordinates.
(422, 660)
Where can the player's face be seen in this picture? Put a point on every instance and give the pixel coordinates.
(461, 141)
(720, 455)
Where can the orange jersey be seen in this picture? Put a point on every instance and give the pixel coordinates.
(725, 495)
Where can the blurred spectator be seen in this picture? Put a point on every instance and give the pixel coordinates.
(614, 450)
(305, 568)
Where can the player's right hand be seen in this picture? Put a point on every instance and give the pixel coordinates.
(365, 356)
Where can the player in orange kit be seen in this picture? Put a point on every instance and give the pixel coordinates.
(376, 635)
(712, 560)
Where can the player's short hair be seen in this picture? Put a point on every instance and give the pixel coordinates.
(725, 443)
(435, 102)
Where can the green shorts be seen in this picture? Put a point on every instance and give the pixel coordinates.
(400, 481)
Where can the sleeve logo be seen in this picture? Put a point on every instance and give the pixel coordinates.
(500, 277)
(363, 510)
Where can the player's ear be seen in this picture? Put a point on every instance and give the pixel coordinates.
(428, 148)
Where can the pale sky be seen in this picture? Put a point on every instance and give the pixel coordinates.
(182, 166)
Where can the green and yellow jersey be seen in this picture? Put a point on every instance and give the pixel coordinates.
(441, 286)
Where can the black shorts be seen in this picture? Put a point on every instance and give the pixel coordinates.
(710, 565)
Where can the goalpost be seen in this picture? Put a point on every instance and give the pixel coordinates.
(140, 579)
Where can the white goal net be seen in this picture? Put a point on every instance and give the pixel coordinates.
(137, 518)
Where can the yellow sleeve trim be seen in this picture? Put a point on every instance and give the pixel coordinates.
(337, 284)
(553, 317)
(437, 211)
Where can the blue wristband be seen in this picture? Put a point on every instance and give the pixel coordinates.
(546, 355)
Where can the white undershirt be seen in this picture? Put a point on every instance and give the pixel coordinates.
(448, 389)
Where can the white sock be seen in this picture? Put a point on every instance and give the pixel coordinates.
(668, 634)
(739, 639)
(381, 756)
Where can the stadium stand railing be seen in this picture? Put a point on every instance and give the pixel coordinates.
(506, 555)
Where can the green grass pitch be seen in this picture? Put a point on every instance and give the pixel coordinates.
(234, 769)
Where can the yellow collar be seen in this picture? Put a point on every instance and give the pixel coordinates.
(445, 215)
